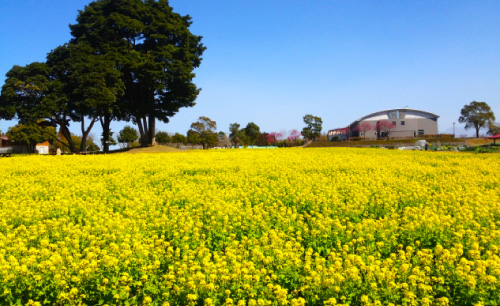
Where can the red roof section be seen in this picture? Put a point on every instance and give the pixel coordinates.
(497, 136)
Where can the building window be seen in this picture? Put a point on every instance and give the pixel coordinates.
(420, 132)
(402, 123)
(392, 115)
(401, 114)
(394, 123)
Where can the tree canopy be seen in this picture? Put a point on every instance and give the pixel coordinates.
(252, 132)
(493, 128)
(313, 127)
(178, 138)
(35, 92)
(162, 137)
(129, 60)
(31, 134)
(154, 52)
(127, 135)
(234, 129)
(476, 115)
(205, 128)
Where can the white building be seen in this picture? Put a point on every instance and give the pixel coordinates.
(392, 123)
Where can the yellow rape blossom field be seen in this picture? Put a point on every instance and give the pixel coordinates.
(332, 226)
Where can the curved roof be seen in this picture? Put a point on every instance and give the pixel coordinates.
(395, 109)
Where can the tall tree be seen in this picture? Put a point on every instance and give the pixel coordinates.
(91, 83)
(193, 137)
(476, 115)
(36, 92)
(154, 51)
(108, 141)
(313, 127)
(234, 129)
(205, 127)
(252, 131)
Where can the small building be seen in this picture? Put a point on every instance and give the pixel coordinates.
(4, 142)
(43, 148)
(392, 123)
(14, 147)
(338, 134)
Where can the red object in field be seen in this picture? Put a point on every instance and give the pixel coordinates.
(494, 137)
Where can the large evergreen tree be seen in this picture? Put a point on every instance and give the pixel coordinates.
(73, 85)
(36, 92)
(91, 83)
(154, 51)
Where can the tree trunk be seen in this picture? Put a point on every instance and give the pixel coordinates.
(66, 133)
(145, 139)
(83, 144)
(151, 134)
(105, 122)
(31, 147)
(57, 139)
(141, 129)
(85, 133)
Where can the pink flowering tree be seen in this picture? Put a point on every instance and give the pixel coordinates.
(363, 127)
(274, 137)
(384, 128)
(293, 136)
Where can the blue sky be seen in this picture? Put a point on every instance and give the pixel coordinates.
(272, 62)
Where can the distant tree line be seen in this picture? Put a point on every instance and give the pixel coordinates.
(203, 132)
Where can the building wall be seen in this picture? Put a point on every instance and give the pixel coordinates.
(413, 127)
(408, 123)
(42, 149)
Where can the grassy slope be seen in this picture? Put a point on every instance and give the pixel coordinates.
(154, 149)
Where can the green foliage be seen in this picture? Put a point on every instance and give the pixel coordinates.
(111, 141)
(242, 136)
(128, 60)
(35, 92)
(482, 149)
(178, 138)
(154, 52)
(127, 135)
(313, 127)
(493, 129)
(162, 138)
(476, 115)
(31, 134)
(234, 129)
(193, 137)
(90, 145)
(252, 132)
(205, 128)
